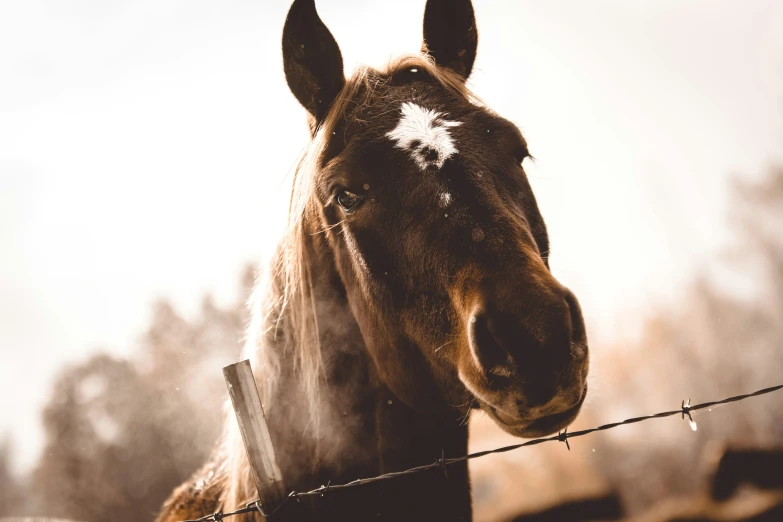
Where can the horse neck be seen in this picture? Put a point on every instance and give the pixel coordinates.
(363, 429)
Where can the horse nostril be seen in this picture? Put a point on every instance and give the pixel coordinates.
(578, 334)
(531, 343)
(499, 338)
(483, 345)
(488, 352)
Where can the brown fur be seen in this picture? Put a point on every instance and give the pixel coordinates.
(377, 329)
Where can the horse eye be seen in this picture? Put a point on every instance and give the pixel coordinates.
(347, 200)
(521, 155)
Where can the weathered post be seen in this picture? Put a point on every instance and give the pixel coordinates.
(255, 434)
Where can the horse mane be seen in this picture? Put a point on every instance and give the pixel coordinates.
(282, 304)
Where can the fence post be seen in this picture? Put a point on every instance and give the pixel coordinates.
(255, 434)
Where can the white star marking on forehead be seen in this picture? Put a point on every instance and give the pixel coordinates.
(425, 134)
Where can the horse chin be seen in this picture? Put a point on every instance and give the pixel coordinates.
(540, 427)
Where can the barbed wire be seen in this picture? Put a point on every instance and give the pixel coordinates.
(685, 411)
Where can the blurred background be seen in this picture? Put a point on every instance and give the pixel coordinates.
(137, 194)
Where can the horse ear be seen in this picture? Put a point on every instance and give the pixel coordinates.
(312, 61)
(450, 34)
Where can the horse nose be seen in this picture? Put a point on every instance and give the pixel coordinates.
(535, 345)
(578, 330)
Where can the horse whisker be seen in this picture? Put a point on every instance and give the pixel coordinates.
(330, 227)
(443, 345)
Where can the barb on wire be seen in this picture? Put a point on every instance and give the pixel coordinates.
(563, 437)
(442, 463)
(684, 410)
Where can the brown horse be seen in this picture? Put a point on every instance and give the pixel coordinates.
(411, 286)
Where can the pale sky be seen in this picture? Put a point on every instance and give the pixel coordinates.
(144, 146)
